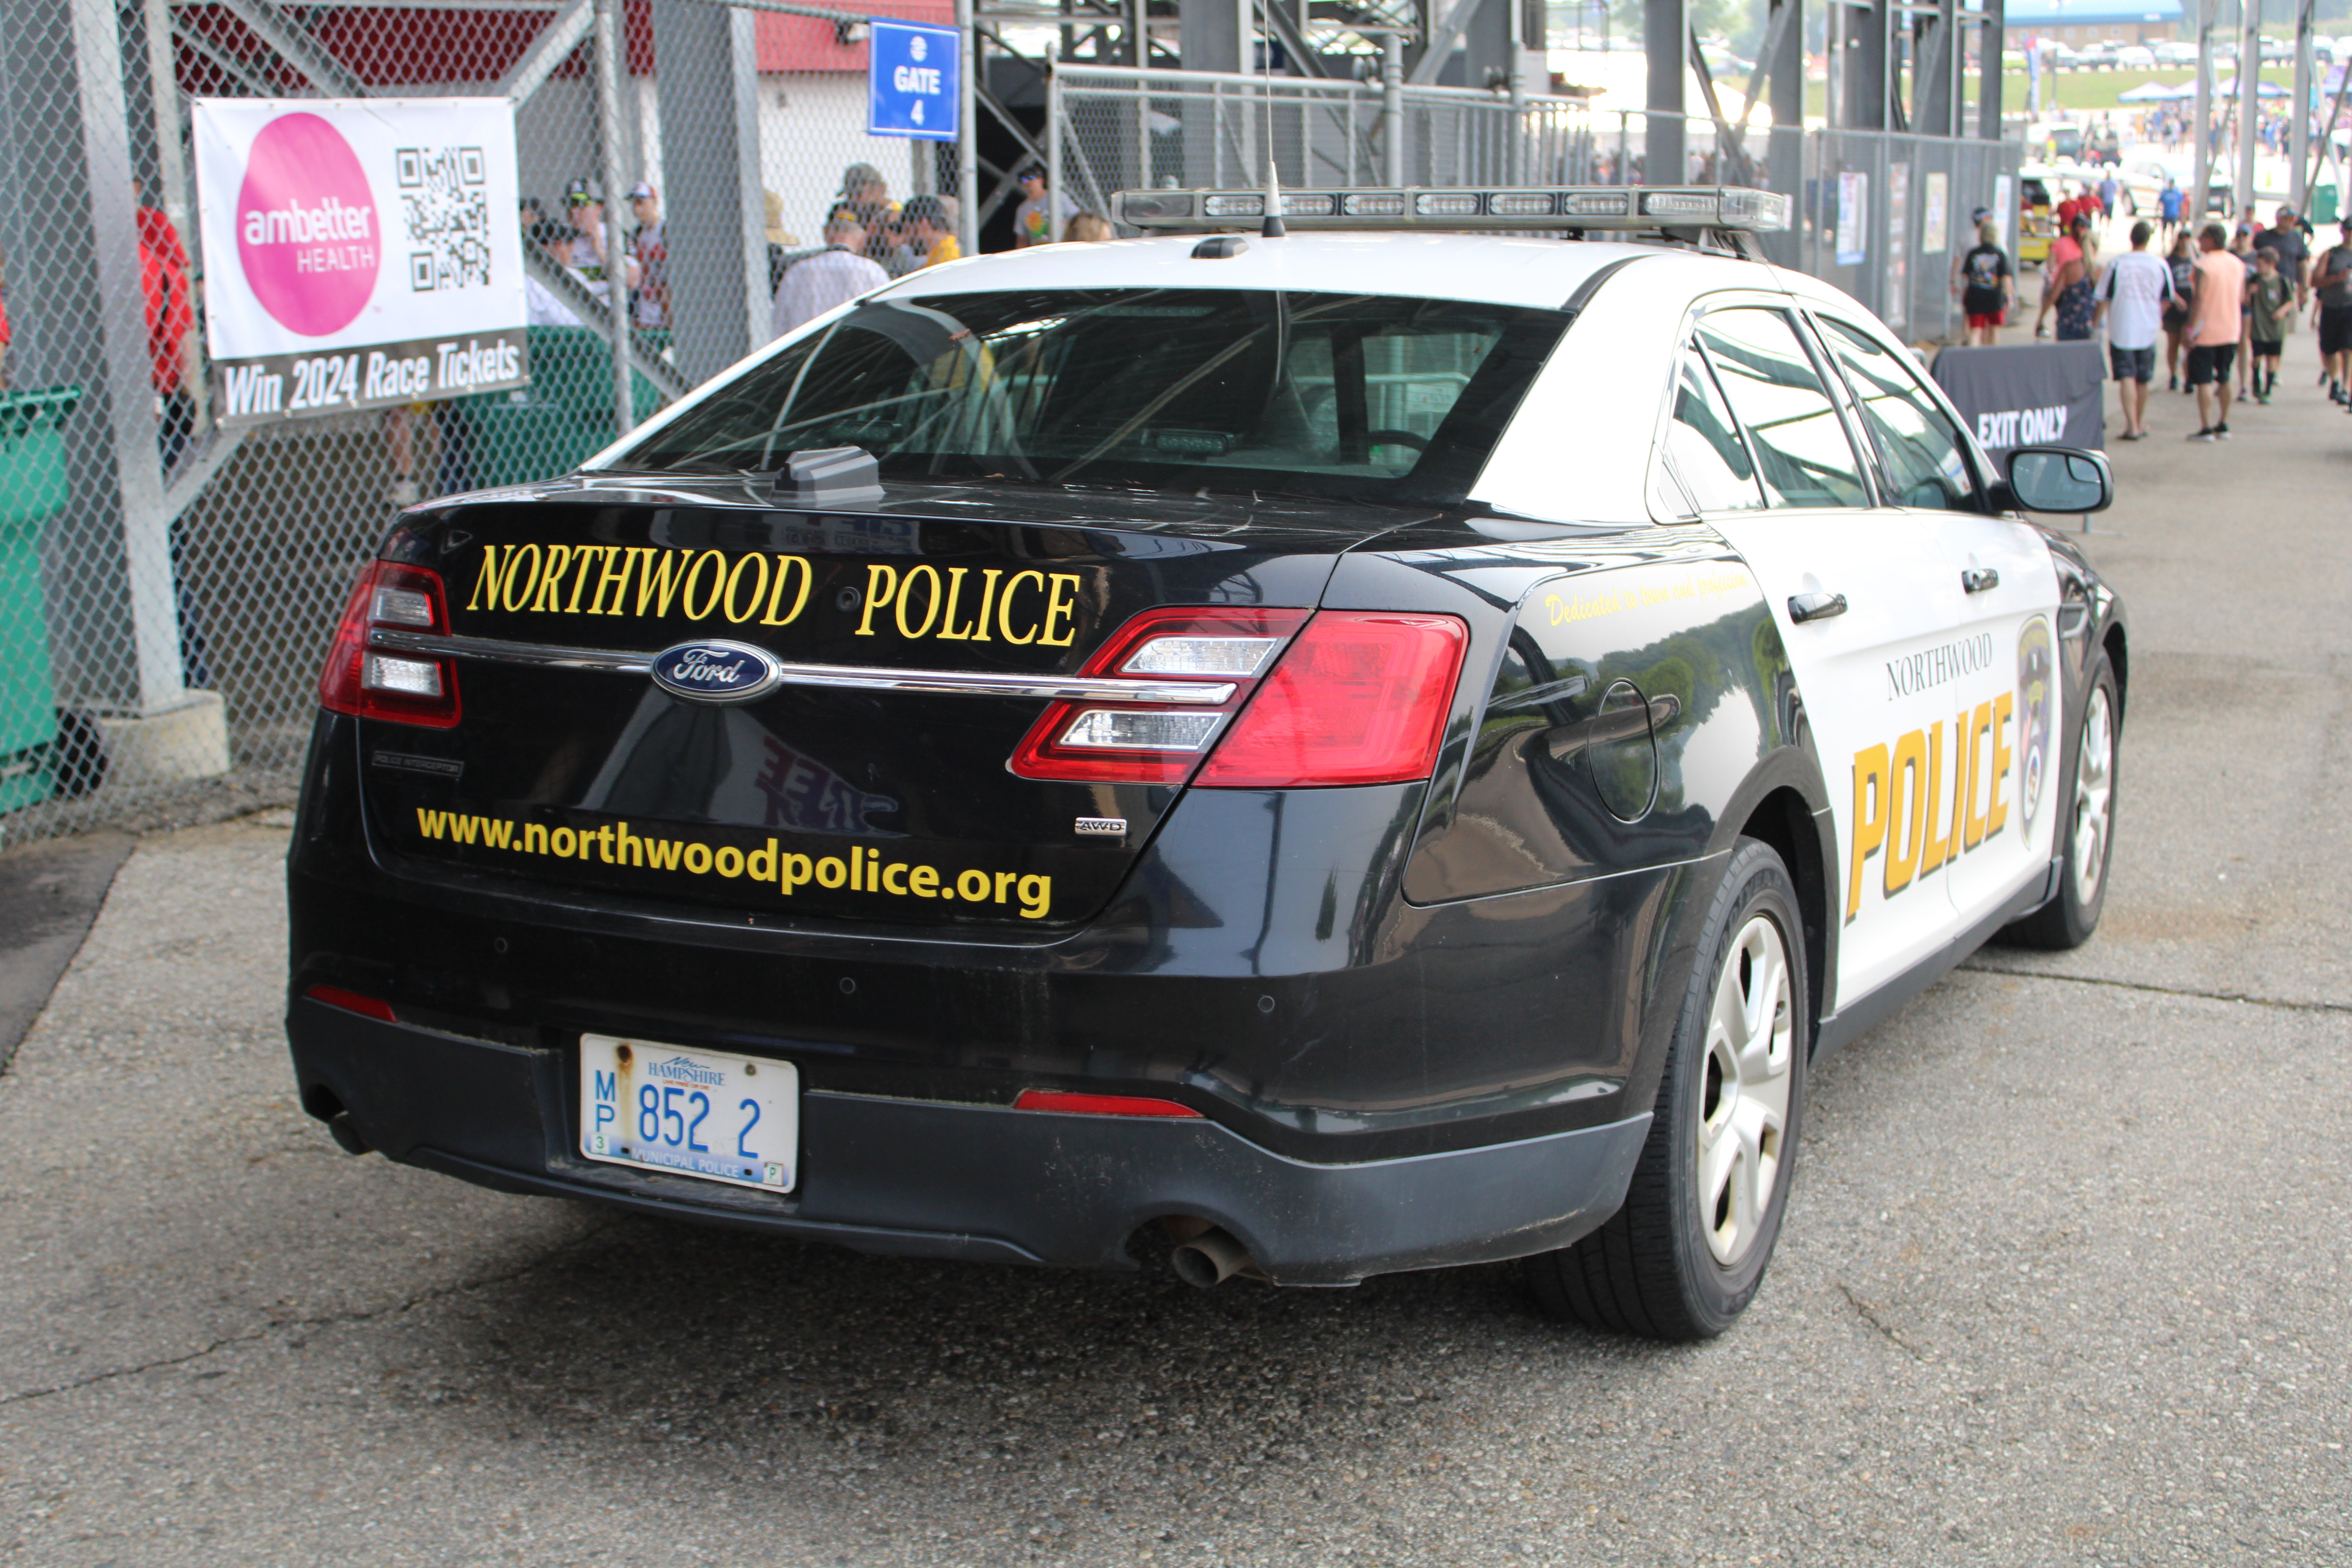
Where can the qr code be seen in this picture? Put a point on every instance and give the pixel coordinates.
(444, 201)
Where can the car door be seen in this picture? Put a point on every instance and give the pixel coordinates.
(1995, 574)
(1758, 443)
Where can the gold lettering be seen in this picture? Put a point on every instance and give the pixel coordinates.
(881, 586)
(1036, 897)
(489, 579)
(948, 632)
(1869, 819)
(795, 872)
(758, 593)
(988, 577)
(785, 564)
(1905, 786)
(587, 555)
(831, 873)
(1978, 722)
(1997, 810)
(1005, 610)
(1056, 606)
(890, 874)
(658, 583)
(931, 601)
(509, 600)
(923, 882)
(718, 585)
(1934, 842)
(616, 581)
(551, 582)
(1004, 879)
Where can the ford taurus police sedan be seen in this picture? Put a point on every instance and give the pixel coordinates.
(1308, 754)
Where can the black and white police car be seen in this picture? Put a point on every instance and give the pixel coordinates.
(1332, 753)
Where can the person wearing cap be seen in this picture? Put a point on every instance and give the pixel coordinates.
(1031, 225)
(834, 276)
(583, 203)
(2293, 254)
(865, 192)
(925, 225)
(653, 256)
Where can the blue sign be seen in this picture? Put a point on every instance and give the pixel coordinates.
(911, 80)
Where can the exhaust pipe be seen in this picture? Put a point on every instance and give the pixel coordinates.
(1211, 1257)
(346, 1133)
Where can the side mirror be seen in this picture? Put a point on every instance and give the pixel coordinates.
(2061, 479)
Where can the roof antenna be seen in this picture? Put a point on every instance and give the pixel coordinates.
(1271, 227)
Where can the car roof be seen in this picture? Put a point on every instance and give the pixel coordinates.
(1488, 269)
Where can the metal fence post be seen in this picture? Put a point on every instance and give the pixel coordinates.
(616, 260)
(70, 229)
(967, 132)
(1053, 129)
(710, 153)
(1392, 110)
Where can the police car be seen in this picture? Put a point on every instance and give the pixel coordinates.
(1307, 755)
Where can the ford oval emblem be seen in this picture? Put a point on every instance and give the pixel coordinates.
(717, 671)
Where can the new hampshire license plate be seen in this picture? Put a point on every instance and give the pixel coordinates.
(723, 1118)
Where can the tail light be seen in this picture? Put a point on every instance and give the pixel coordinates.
(1137, 743)
(1099, 1104)
(352, 1002)
(374, 683)
(1360, 698)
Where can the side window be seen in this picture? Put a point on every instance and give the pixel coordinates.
(1801, 452)
(1919, 450)
(1703, 444)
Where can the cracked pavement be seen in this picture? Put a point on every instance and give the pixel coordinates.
(2064, 1279)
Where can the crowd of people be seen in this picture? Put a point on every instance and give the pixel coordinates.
(2222, 305)
(867, 238)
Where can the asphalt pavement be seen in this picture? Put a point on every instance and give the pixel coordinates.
(2065, 1277)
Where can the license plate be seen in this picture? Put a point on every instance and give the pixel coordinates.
(723, 1118)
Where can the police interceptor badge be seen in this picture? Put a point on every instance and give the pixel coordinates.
(717, 671)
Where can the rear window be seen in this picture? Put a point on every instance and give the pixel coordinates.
(1339, 395)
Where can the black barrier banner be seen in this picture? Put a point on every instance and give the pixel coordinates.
(385, 376)
(2028, 394)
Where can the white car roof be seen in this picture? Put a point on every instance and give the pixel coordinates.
(1490, 268)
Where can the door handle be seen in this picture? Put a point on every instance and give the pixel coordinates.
(1977, 579)
(1803, 607)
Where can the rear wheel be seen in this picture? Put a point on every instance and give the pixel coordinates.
(1683, 1256)
(2072, 912)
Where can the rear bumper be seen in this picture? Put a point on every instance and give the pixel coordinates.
(976, 1182)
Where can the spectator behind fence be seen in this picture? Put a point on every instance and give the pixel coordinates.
(584, 206)
(834, 276)
(653, 256)
(865, 192)
(1089, 228)
(928, 231)
(541, 307)
(781, 241)
(1030, 223)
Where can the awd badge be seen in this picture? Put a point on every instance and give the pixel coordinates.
(717, 671)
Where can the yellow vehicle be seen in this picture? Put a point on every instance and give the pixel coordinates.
(2036, 228)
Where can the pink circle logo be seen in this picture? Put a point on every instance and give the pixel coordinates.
(307, 227)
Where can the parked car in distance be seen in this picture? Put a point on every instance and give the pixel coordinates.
(2135, 58)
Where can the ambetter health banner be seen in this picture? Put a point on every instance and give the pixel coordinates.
(359, 253)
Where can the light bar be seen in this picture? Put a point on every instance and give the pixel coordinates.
(1522, 209)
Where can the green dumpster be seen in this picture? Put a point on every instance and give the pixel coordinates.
(556, 423)
(33, 489)
(2322, 204)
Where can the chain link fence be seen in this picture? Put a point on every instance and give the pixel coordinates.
(168, 587)
(1882, 215)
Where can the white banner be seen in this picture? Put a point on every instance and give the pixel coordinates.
(358, 252)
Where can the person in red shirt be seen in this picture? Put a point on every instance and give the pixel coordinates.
(173, 350)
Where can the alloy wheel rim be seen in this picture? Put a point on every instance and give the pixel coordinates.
(1744, 1092)
(2095, 791)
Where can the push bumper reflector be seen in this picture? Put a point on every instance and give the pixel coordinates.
(352, 1002)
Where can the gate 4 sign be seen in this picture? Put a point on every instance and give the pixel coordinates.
(911, 80)
(360, 253)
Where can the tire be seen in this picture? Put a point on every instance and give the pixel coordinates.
(1683, 1256)
(2068, 919)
